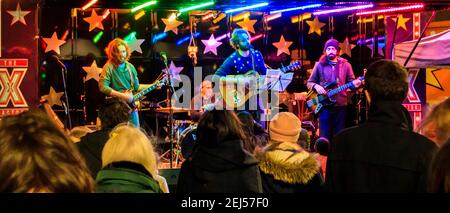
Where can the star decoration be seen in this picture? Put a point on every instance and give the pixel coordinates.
(315, 26)
(93, 72)
(18, 15)
(401, 22)
(171, 25)
(135, 44)
(346, 47)
(431, 78)
(53, 43)
(53, 97)
(95, 21)
(211, 45)
(175, 71)
(282, 46)
(379, 50)
(247, 24)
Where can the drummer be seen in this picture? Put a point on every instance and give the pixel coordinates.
(202, 100)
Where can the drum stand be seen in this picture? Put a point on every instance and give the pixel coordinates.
(174, 152)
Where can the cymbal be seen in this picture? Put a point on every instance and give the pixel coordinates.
(174, 110)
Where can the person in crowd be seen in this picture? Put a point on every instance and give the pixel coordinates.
(332, 68)
(436, 125)
(254, 133)
(440, 170)
(383, 154)
(219, 162)
(129, 163)
(111, 113)
(36, 156)
(285, 166)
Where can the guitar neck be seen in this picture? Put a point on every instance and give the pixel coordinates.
(143, 92)
(285, 69)
(341, 88)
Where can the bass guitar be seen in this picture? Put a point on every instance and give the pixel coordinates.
(316, 102)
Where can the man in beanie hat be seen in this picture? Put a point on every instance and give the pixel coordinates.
(332, 68)
(286, 167)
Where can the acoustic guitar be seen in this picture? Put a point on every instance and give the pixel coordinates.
(236, 95)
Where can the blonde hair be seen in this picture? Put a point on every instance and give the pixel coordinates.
(127, 143)
(438, 121)
(112, 51)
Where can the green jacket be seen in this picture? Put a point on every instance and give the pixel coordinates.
(124, 178)
(118, 78)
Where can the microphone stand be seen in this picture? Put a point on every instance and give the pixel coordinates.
(66, 99)
(169, 101)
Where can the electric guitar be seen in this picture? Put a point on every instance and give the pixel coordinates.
(234, 96)
(137, 97)
(316, 102)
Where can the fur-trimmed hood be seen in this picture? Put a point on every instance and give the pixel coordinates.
(288, 162)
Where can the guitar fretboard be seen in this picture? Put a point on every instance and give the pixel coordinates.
(143, 92)
(341, 88)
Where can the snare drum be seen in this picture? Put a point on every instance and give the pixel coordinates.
(187, 140)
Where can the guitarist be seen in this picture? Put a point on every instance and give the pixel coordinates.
(332, 68)
(119, 77)
(240, 62)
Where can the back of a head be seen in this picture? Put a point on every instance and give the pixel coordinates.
(436, 124)
(322, 146)
(38, 157)
(386, 80)
(217, 126)
(440, 170)
(285, 127)
(113, 111)
(247, 120)
(127, 143)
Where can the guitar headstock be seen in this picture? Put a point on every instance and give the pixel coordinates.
(296, 65)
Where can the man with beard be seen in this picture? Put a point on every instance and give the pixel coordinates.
(119, 77)
(242, 66)
(332, 68)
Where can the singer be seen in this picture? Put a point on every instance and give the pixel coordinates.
(242, 66)
(119, 77)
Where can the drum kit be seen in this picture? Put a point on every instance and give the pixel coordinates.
(184, 136)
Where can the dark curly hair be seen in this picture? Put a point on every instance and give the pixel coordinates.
(113, 111)
(218, 126)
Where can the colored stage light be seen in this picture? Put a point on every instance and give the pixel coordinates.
(343, 9)
(388, 10)
(159, 37)
(187, 38)
(295, 19)
(182, 10)
(143, 5)
(296, 8)
(246, 8)
(97, 37)
(89, 4)
(139, 15)
(272, 17)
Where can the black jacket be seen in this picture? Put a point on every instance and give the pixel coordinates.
(226, 168)
(381, 155)
(91, 147)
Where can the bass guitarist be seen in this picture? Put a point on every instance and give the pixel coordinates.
(241, 65)
(119, 77)
(332, 68)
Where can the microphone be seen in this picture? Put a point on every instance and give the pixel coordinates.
(61, 64)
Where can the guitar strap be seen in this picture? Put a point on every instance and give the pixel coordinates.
(131, 78)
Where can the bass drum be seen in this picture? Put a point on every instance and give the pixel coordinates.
(187, 140)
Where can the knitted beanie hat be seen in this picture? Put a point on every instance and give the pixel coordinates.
(285, 127)
(331, 42)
